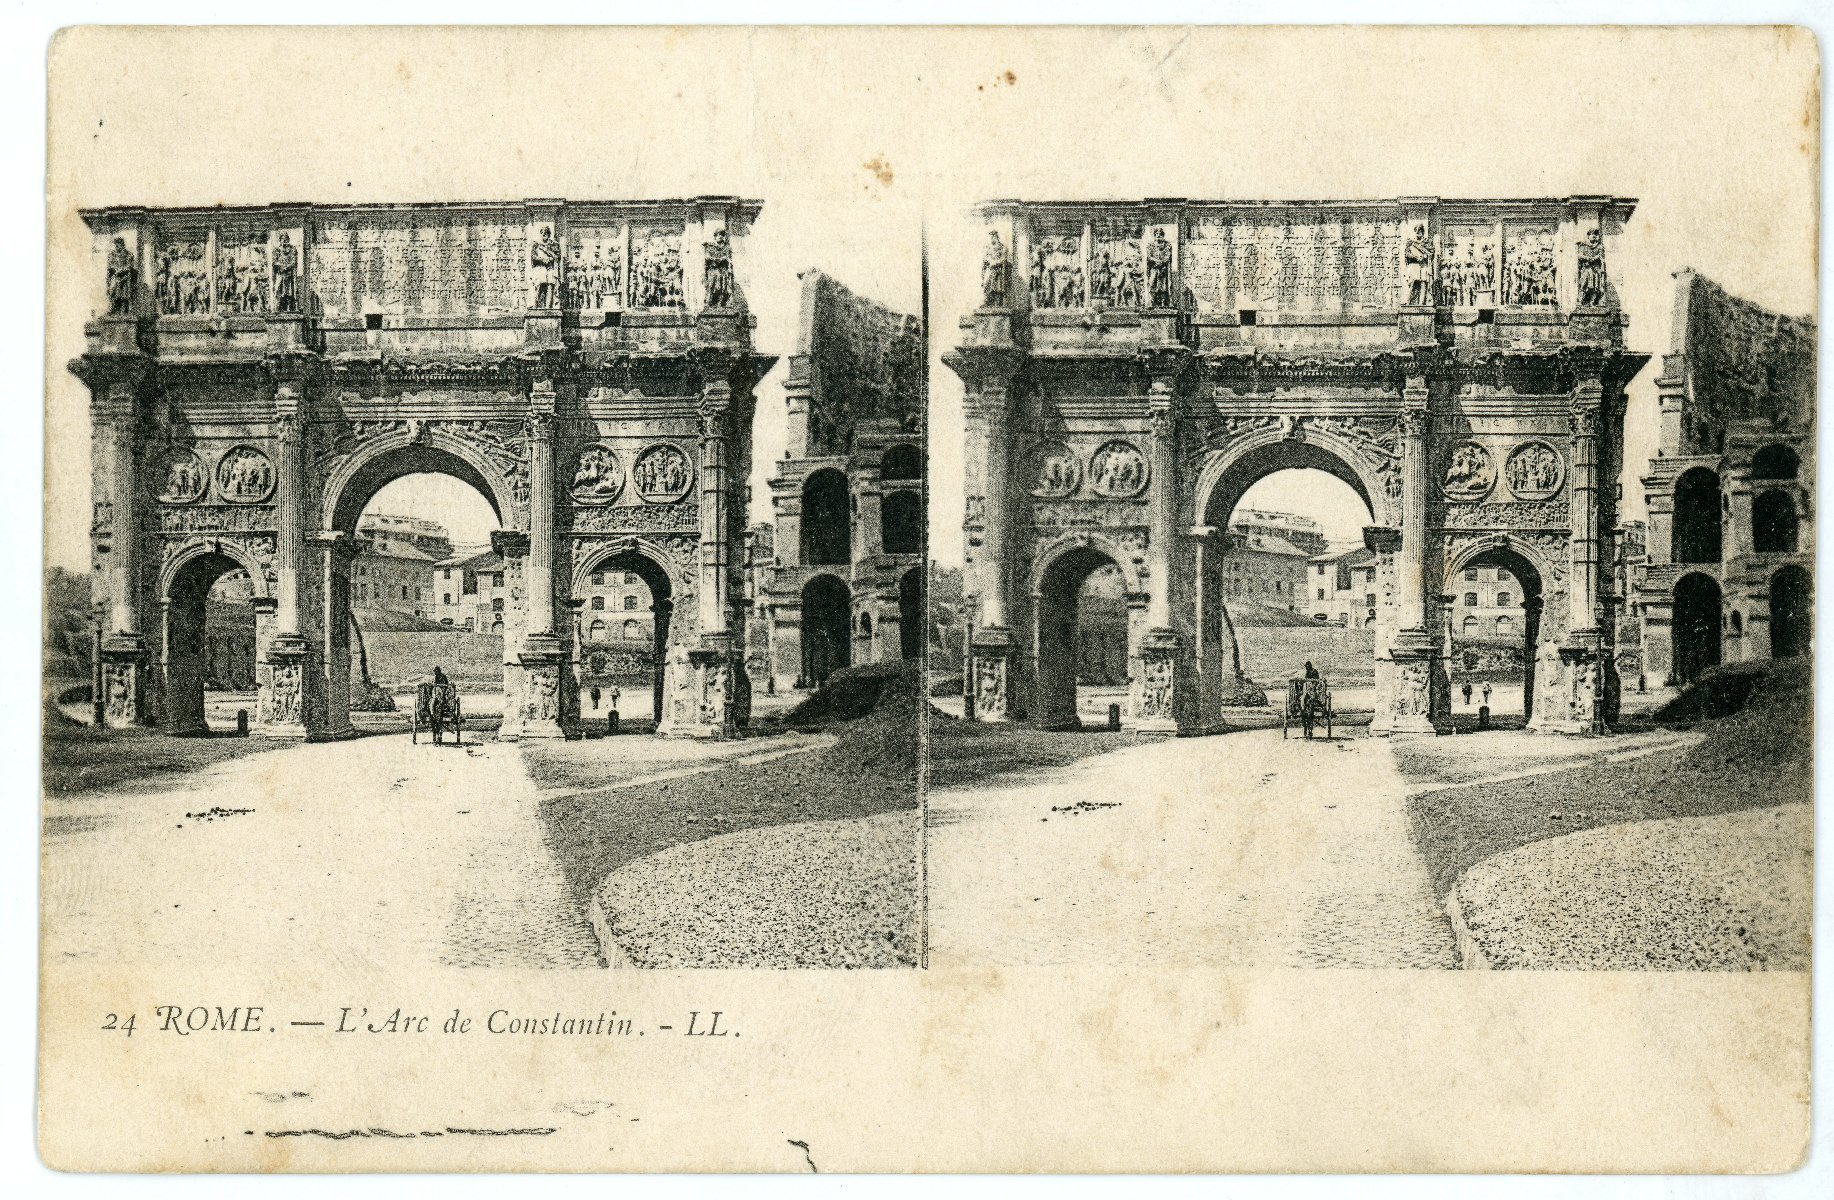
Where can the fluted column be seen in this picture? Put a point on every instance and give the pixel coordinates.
(541, 509)
(996, 482)
(1410, 568)
(118, 424)
(716, 397)
(1583, 539)
(289, 480)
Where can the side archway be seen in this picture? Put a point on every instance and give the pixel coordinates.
(1697, 625)
(1792, 621)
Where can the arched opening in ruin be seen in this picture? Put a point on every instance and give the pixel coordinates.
(827, 530)
(425, 588)
(1774, 525)
(1286, 577)
(1792, 614)
(912, 614)
(1776, 462)
(1082, 646)
(901, 522)
(827, 624)
(623, 602)
(901, 461)
(1496, 642)
(209, 644)
(1697, 516)
(1697, 625)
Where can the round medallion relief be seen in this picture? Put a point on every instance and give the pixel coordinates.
(598, 476)
(661, 474)
(182, 478)
(1055, 471)
(1534, 471)
(245, 476)
(1117, 470)
(1470, 473)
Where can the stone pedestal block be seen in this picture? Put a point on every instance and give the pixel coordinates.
(712, 704)
(280, 708)
(1157, 700)
(124, 681)
(539, 708)
(990, 660)
(1419, 676)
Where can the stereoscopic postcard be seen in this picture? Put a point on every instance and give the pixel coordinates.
(929, 600)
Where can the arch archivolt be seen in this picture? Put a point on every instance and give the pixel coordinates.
(253, 552)
(497, 451)
(1116, 546)
(1545, 552)
(1372, 465)
(676, 555)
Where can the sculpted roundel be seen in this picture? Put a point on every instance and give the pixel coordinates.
(245, 476)
(1470, 473)
(182, 478)
(1055, 471)
(661, 474)
(1117, 470)
(598, 476)
(1534, 471)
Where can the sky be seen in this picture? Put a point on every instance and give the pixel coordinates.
(863, 144)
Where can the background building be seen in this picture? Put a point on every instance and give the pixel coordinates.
(394, 571)
(844, 581)
(1267, 558)
(1730, 492)
(470, 591)
(1342, 588)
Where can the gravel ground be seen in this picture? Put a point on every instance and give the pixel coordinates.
(79, 758)
(815, 894)
(1728, 892)
(964, 753)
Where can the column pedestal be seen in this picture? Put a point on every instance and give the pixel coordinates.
(280, 709)
(1416, 663)
(991, 685)
(1577, 703)
(1159, 695)
(124, 681)
(543, 661)
(715, 679)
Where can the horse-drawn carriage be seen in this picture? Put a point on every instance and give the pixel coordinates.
(1308, 701)
(437, 707)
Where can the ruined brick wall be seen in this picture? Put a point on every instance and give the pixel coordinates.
(1747, 362)
(865, 362)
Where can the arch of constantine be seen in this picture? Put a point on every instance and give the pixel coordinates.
(1135, 367)
(259, 373)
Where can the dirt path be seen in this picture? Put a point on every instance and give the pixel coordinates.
(1243, 850)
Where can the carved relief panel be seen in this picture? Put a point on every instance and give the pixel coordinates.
(656, 267)
(596, 257)
(1529, 264)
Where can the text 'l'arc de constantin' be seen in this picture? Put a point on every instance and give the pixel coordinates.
(1135, 367)
(259, 373)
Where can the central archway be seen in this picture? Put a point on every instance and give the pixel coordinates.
(624, 603)
(1517, 571)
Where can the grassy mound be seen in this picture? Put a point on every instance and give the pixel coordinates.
(849, 694)
(1720, 691)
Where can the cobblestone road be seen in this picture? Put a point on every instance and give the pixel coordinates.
(1243, 850)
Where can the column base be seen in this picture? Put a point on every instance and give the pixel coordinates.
(280, 707)
(1158, 699)
(538, 704)
(124, 681)
(990, 674)
(1575, 702)
(706, 704)
(1416, 683)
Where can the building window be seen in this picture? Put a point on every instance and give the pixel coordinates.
(404, 591)
(630, 604)
(598, 603)
(1369, 600)
(496, 579)
(632, 630)
(1504, 625)
(1502, 599)
(1470, 599)
(596, 631)
(446, 598)
(1503, 576)
(496, 626)
(1470, 626)
(1321, 592)
(598, 579)
(445, 620)
(1471, 576)
(496, 605)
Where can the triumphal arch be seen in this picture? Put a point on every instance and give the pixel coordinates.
(257, 374)
(1135, 367)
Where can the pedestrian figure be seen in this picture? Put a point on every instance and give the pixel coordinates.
(595, 697)
(1311, 672)
(1486, 692)
(1642, 684)
(1467, 693)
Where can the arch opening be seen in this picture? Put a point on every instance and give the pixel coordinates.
(911, 614)
(1775, 462)
(625, 604)
(901, 522)
(210, 642)
(827, 629)
(1697, 626)
(1697, 516)
(827, 529)
(1287, 580)
(1774, 524)
(1082, 648)
(1495, 635)
(901, 461)
(1792, 616)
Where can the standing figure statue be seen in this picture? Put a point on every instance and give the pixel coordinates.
(121, 274)
(1418, 256)
(718, 270)
(1159, 271)
(1041, 291)
(1592, 271)
(996, 272)
(544, 270)
(286, 276)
